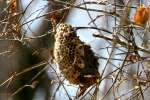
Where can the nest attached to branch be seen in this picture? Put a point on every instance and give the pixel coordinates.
(76, 60)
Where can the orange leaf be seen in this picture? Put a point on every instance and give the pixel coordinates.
(13, 6)
(141, 16)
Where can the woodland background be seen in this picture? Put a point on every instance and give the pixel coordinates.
(117, 30)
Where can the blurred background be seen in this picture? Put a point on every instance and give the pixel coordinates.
(110, 27)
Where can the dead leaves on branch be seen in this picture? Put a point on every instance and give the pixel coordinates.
(142, 15)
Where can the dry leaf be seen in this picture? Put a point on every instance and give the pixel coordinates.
(141, 16)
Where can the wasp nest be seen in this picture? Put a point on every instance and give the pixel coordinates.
(76, 60)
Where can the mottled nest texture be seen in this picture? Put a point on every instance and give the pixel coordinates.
(77, 62)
